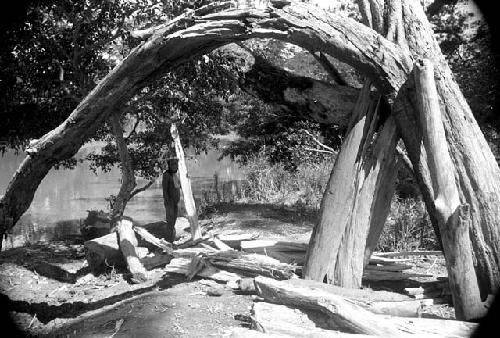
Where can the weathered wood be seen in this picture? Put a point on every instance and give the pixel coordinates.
(408, 253)
(187, 193)
(128, 243)
(475, 168)
(252, 265)
(234, 240)
(181, 266)
(377, 275)
(453, 219)
(153, 240)
(391, 267)
(380, 302)
(354, 318)
(266, 245)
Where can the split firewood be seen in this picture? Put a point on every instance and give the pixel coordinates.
(351, 317)
(220, 244)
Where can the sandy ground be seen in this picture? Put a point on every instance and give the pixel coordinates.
(48, 290)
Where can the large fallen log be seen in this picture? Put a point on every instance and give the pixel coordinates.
(376, 275)
(252, 265)
(380, 302)
(352, 317)
(408, 254)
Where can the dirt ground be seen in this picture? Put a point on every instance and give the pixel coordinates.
(48, 289)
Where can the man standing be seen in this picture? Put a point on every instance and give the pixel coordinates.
(171, 196)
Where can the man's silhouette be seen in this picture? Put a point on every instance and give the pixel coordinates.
(171, 196)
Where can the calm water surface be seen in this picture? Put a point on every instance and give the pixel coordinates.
(64, 196)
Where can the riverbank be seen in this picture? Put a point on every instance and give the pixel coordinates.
(51, 292)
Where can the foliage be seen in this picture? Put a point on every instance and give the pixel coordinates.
(407, 227)
(272, 183)
(52, 58)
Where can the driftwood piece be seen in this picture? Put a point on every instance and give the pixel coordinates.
(128, 243)
(262, 246)
(380, 302)
(383, 260)
(153, 240)
(352, 317)
(252, 265)
(181, 266)
(376, 275)
(220, 244)
(234, 240)
(408, 253)
(390, 267)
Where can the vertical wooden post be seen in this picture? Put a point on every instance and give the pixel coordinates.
(186, 185)
(453, 218)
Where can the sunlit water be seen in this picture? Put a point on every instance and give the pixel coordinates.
(64, 196)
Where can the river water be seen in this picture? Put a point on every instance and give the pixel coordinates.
(64, 196)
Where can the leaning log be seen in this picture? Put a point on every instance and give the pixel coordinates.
(128, 244)
(353, 318)
(453, 218)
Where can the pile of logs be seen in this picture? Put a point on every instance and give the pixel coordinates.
(285, 305)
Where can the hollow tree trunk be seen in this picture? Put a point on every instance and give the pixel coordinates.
(187, 193)
(128, 176)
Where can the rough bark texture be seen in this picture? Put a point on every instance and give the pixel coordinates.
(452, 217)
(187, 193)
(476, 171)
(128, 177)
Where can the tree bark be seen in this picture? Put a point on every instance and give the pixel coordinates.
(475, 169)
(187, 193)
(128, 176)
(453, 218)
(357, 198)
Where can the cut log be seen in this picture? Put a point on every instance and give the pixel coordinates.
(376, 275)
(264, 246)
(234, 240)
(252, 265)
(407, 254)
(181, 266)
(380, 302)
(128, 244)
(382, 260)
(220, 244)
(354, 318)
(391, 267)
(152, 240)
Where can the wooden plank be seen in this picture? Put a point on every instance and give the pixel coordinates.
(234, 240)
(375, 275)
(263, 245)
(391, 267)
